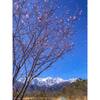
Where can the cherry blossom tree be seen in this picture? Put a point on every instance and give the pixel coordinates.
(40, 38)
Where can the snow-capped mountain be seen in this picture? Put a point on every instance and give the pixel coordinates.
(47, 84)
(50, 84)
(49, 81)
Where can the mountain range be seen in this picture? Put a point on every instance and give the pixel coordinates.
(49, 81)
(54, 86)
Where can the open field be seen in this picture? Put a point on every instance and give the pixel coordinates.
(57, 98)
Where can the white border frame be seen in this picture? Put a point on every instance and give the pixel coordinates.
(5, 49)
(94, 49)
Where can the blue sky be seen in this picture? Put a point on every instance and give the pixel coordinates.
(74, 63)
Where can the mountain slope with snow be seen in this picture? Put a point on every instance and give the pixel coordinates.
(49, 81)
(51, 85)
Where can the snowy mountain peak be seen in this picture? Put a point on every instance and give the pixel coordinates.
(49, 81)
(73, 80)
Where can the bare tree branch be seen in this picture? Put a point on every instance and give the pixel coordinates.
(40, 38)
